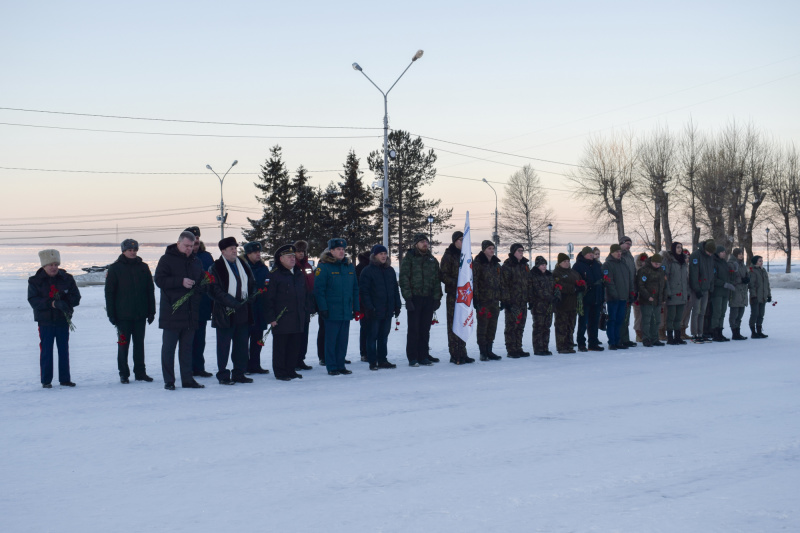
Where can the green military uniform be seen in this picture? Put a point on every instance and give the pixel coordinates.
(630, 265)
(541, 286)
(738, 300)
(448, 273)
(422, 292)
(566, 310)
(516, 276)
(651, 283)
(720, 294)
(487, 294)
(760, 294)
(676, 267)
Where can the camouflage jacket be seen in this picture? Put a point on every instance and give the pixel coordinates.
(488, 280)
(541, 288)
(448, 270)
(651, 283)
(566, 278)
(739, 273)
(516, 276)
(419, 275)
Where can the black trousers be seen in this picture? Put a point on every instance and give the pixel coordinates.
(589, 323)
(321, 339)
(378, 339)
(285, 352)
(363, 333)
(419, 328)
(239, 356)
(304, 341)
(254, 360)
(170, 339)
(133, 331)
(199, 347)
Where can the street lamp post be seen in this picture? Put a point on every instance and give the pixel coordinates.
(430, 227)
(768, 249)
(222, 215)
(386, 203)
(495, 237)
(549, 242)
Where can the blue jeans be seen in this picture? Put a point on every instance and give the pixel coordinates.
(377, 339)
(59, 334)
(336, 336)
(616, 318)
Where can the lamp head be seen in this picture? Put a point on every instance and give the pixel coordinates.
(357, 67)
(430, 219)
(484, 180)
(209, 167)
(234, 163)
(549, 226)
(417, 55)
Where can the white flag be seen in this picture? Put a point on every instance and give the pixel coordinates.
(464, 316)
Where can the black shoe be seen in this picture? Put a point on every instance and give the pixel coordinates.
(144, 377)
(364, 359)
(192, 385)
(737, 335)
(169, 386)
(297, 376)
(658, 343)
(434, 359)
(612, 347)
(386, 364)
(322, 362)
(490, 354)
(330, 373)
(304, 366)
(283, 378)
(47, 386)
(226, 381)
(696, 339)
(568, 350)
(761, 334)
(583, 349)
(513, 355)
(647, 343)
(596, 348)
(467, 359)
(258, 370)
(202, 374)
(621, 346)
(124, 380)
(242, 379)
(425, 362)
(455, 360)
(347, 362)
(630, 344)
(413, 363)
(373, 366)
(524, 354)
(345, 372)
(67, 384)
(548, 352)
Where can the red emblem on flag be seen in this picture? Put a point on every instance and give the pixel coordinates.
(465, 294)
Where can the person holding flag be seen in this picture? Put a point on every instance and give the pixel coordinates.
(448, 273)
(463, 313)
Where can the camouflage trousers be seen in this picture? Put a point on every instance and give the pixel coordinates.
(457, 347)
(516, 317)
(565, 327)
(487, 322)
(650, 318)
(541, 331)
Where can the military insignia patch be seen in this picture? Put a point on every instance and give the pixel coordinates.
(605, 272)
(644, 278)
(694, 261)
(317, 272)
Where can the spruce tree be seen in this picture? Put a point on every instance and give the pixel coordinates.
(275, 227)
(305, 212)
(358, 208)
(408, 173)
(330, 225)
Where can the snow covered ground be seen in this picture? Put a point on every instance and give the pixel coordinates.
(675, 439)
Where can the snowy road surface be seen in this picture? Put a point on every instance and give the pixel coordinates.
(674, 439)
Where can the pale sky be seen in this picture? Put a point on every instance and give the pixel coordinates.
(529, 78)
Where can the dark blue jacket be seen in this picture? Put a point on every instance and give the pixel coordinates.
(205, 302)
(592, 273)
(41, 302)
(380, 294)
(261, 276)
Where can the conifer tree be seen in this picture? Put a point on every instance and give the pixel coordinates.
(275, 227)
(305, 212)
(358, 208)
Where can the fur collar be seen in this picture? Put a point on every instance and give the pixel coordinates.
(481, 258)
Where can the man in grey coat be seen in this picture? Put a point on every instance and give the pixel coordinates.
(630, 264)
(738, 298)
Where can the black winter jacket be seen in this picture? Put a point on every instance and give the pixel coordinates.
(261, 277)
(130, 293)
(39, 290)
(287, 289)
(592, 273)
(377, 286)
(172, 268)
(222, 301)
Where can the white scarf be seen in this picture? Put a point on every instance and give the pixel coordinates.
(232, 278)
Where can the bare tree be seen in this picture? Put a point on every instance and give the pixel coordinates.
(748, 195)
(605, 177)
(656, 179)
(691, 147)
(783, 187)
(711, 190)
(525, 213)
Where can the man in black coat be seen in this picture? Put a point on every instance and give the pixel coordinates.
(288, 298)
(380, 299)
(363, 262)
(130, 301)
(179, 274)
(252, 258)
(592, 274)
(199, 341)
(53, 295)
(231, 314)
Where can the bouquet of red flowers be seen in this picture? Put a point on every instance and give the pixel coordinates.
(208, 278)
(358, 315)
(56, 295)
(435, 319)
(122, 339)
(580, 283)
(229, 311)
(519, 317)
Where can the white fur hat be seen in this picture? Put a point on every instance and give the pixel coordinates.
(49, 256)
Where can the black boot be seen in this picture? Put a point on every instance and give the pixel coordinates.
(482, 350)
(670, 338)
(761, 334)
(678, 337)
(467, 359)
(513, 354)
(490, 354)
(754, 334)
(737, 335)
(721, 336)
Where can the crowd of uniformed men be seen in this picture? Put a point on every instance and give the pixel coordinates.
(244, 299)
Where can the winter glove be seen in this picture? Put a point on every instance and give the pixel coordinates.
(151, 318)
(729, 286)
(112, 320)
(324, 314)
(746, 280)
(437, 304)
(409, 306)
(769, 298)
(397, 312)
